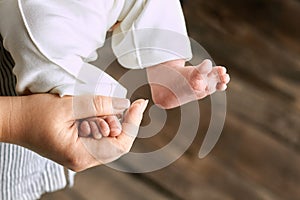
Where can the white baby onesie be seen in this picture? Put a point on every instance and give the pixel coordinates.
(52, 41)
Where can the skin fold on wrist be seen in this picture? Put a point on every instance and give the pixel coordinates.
(9, 120)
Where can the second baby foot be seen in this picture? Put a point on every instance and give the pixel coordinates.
(173, 85)
(98, 127)
(206, 80)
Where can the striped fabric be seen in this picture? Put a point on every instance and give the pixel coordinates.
(24, 174)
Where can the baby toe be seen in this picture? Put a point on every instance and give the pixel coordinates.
(221, 70)
(84, 129)
(205, 67)
(215, 74)
(95, 130)
(221, 87)
(103, 126)
(225, 78)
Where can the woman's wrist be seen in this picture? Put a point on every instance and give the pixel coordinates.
(10, 119)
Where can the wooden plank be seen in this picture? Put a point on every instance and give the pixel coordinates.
(274, 115)
(246, 164)
(105, 183)
(260, 158)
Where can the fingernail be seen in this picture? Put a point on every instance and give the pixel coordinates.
(98, 136)
(119, 105)
(144, 105)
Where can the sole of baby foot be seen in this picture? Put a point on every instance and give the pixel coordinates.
(203, 80)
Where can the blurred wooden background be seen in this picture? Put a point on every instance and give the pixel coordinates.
(257, 156)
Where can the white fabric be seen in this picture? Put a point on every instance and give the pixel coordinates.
(52, 40)
(151, 32)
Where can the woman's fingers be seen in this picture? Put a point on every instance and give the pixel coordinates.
(92, 106)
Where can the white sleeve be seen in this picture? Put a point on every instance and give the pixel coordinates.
(51, 57)
(151, 32)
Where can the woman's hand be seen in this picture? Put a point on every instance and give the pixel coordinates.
(47, 124)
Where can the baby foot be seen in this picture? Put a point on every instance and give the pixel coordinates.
(97, 127)
(206, 80)
(173, 85)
